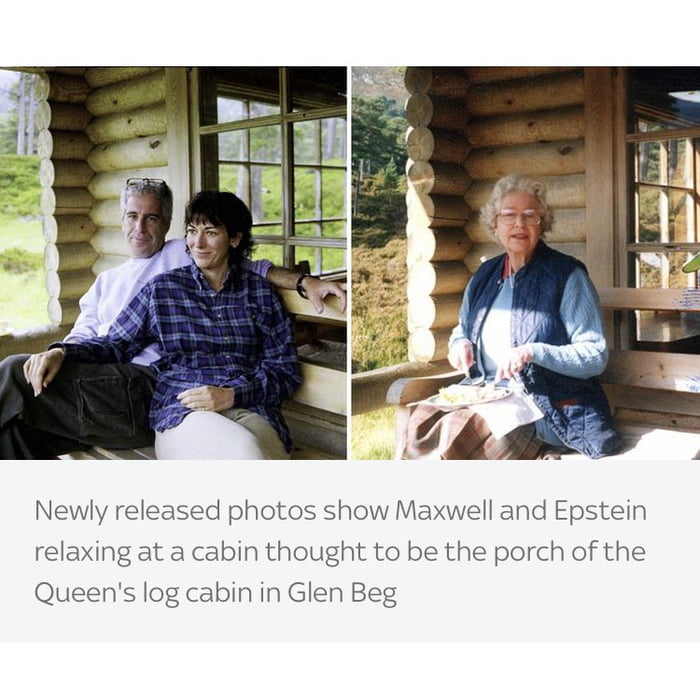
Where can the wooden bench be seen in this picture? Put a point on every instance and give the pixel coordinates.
(655, 396)
(317, 413)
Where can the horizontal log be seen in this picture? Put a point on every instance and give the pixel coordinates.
(69, 173)
(545, 158)
(428, 345)
(131, 154)
(109, 185)
(109, 240)
(65, 88)
(486, 74)
(438, 244)
(441, 81)
(369, 389)
(444, 146)
(419, 110)
(107, 261)
(435, 210)
(563, 191)
(434, 279)
(437, 178)
(66, 145)
(98, 77)
(434, 312)
(64, 311)
(322, 387)
(531, 94)
(107, 213)
(63, 116)
(652, 400)
(138, 123)
(126, 95)
(62, 257)
(69, 284)
(64, 201)
(537, 126)
(569, 226)
(68, 229)
(42, 87)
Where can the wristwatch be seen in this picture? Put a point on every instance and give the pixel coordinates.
(300, 285)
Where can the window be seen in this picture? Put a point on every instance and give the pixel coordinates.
(23, 293)
(276, 137)
(665, 143)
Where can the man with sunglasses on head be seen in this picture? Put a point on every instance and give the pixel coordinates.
(107, 405)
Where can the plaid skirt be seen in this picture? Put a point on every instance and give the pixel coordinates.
(433, 433)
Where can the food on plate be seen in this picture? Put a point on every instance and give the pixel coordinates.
(465, 394)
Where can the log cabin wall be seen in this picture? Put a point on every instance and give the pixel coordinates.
(467, 128)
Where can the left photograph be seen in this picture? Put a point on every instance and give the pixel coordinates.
(173, 257)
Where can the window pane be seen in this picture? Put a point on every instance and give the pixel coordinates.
(333, 141)
(321, 260)
(267, 229)
(266, 194)
(680, 159)
(680, 219)
(307, 193)
(649, 269)
(309, 229)
(306, 142)
(234, 178)
(650, 203)
(333, 228)
(318, 87)
(266, 144)
(233, 146)
(333, 193)
(648, 154)
(271, 252)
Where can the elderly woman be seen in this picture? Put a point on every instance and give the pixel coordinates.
(228, 358)
(531, 315)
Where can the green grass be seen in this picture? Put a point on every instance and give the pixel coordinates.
(23, 295)
(373, 435)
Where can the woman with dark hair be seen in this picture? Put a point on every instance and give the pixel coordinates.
(530, 315)
(228, 358)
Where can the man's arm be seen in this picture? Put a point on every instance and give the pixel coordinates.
(315, 289)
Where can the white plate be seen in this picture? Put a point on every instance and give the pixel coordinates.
(495, 394)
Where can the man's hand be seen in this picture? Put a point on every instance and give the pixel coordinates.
(514, 362)
(41, 368)
(318, 289)
(461, 355)
(211, 398)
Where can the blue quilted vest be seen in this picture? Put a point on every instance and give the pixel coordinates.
(576, 409)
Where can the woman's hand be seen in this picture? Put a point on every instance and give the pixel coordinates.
(514, 362)
(461, 355)
(41, 368)
(211, 398)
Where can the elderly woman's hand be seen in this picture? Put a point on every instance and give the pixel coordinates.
(461, 355)
(514, 362)
(211, 398)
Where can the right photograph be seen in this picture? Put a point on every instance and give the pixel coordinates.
(525, 257)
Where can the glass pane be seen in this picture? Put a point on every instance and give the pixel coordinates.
(333, 228)
(677, 279)
(238, 94)
(334, 141)
(649, 214)
(680, 158)
(649, 269)
(306, 142)
(267, 229)
(680, 216)
(234, 178)
(333, 193)
(307, 193)
(266, 193)
(272, 252)
(648, 154)
(321, 260)
(266, 144)
(233, 146)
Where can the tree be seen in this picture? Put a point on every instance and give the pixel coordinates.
(378, 127)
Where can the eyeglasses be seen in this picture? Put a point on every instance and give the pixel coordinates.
(529, 218)
(145, 182)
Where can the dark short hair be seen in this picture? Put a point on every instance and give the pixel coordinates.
(155, 186)
(223, 209)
